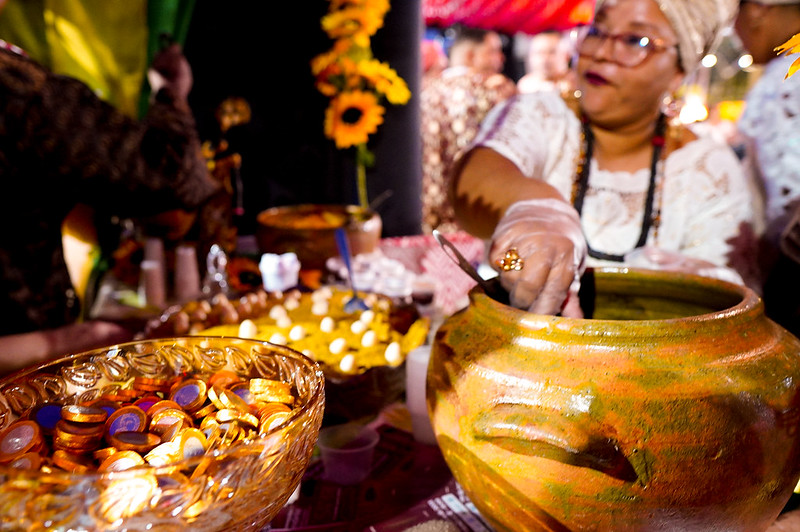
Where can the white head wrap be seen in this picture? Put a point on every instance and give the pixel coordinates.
(698, 25)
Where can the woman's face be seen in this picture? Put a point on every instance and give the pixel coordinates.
(615, 93)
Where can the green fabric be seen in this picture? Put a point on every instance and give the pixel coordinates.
(165, 17)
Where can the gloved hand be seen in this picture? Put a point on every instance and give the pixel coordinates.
(171, 70)
(547, 235)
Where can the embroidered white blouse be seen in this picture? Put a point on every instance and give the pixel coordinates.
(703, 194)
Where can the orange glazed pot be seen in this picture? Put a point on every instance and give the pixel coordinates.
(675, 407)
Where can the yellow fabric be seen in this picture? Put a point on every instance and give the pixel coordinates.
(102, 43)
(81, 249)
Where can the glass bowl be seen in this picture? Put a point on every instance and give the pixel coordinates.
(238, 480)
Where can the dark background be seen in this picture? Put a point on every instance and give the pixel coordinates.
(262, 51)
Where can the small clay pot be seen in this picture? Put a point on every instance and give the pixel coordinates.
(308, 230)
(675, 407)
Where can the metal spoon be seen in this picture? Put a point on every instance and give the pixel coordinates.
(492, 287)
(355, 303)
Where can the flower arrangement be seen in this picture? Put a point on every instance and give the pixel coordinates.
(356, 82)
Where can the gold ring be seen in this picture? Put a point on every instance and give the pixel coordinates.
(511, 261)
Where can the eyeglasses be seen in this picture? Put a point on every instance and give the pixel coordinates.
(629, 49)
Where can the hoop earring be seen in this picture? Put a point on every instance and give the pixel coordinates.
(671, 106)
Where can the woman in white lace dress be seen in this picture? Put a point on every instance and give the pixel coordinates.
(608, 180)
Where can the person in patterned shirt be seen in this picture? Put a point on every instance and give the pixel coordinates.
(453, 104)
(60, 146)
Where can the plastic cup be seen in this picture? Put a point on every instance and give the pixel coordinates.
(347, 452)
(423, 293)
(416, 387)
(154, 249)
(279, 272)
(152, 285)
(187, 274)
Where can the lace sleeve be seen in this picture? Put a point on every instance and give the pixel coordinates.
(708, 210)
(538, 133)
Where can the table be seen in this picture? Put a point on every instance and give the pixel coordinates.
(404, 473)
(409, 485)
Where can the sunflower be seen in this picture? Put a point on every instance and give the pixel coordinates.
(385, 80)
(352, 23)
(357, 84)
(351, 117)
(335, 74)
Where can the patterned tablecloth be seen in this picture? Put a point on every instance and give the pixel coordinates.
(422, 255)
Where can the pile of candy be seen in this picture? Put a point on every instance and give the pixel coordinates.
(156, 422)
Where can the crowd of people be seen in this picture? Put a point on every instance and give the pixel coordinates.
(770, 127)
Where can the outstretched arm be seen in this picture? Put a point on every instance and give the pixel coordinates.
(485, 184)
(19, 351)
(494, 199)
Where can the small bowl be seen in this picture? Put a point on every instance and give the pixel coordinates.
(308, 231)
(239, 485)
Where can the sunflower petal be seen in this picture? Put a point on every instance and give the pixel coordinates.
(789, 47)
(794, 67)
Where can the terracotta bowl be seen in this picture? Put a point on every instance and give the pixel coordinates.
(674, 407)
(239, 480)
(308, 230)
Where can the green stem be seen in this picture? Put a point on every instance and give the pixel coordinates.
(361, 181)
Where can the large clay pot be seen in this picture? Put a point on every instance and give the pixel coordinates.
(675, 407)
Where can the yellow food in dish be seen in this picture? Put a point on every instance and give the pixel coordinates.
(315, 324)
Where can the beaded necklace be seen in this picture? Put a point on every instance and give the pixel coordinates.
(652, 216)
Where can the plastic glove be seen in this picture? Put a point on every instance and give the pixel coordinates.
(654, 258)
(547, 235)
(170, 70)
